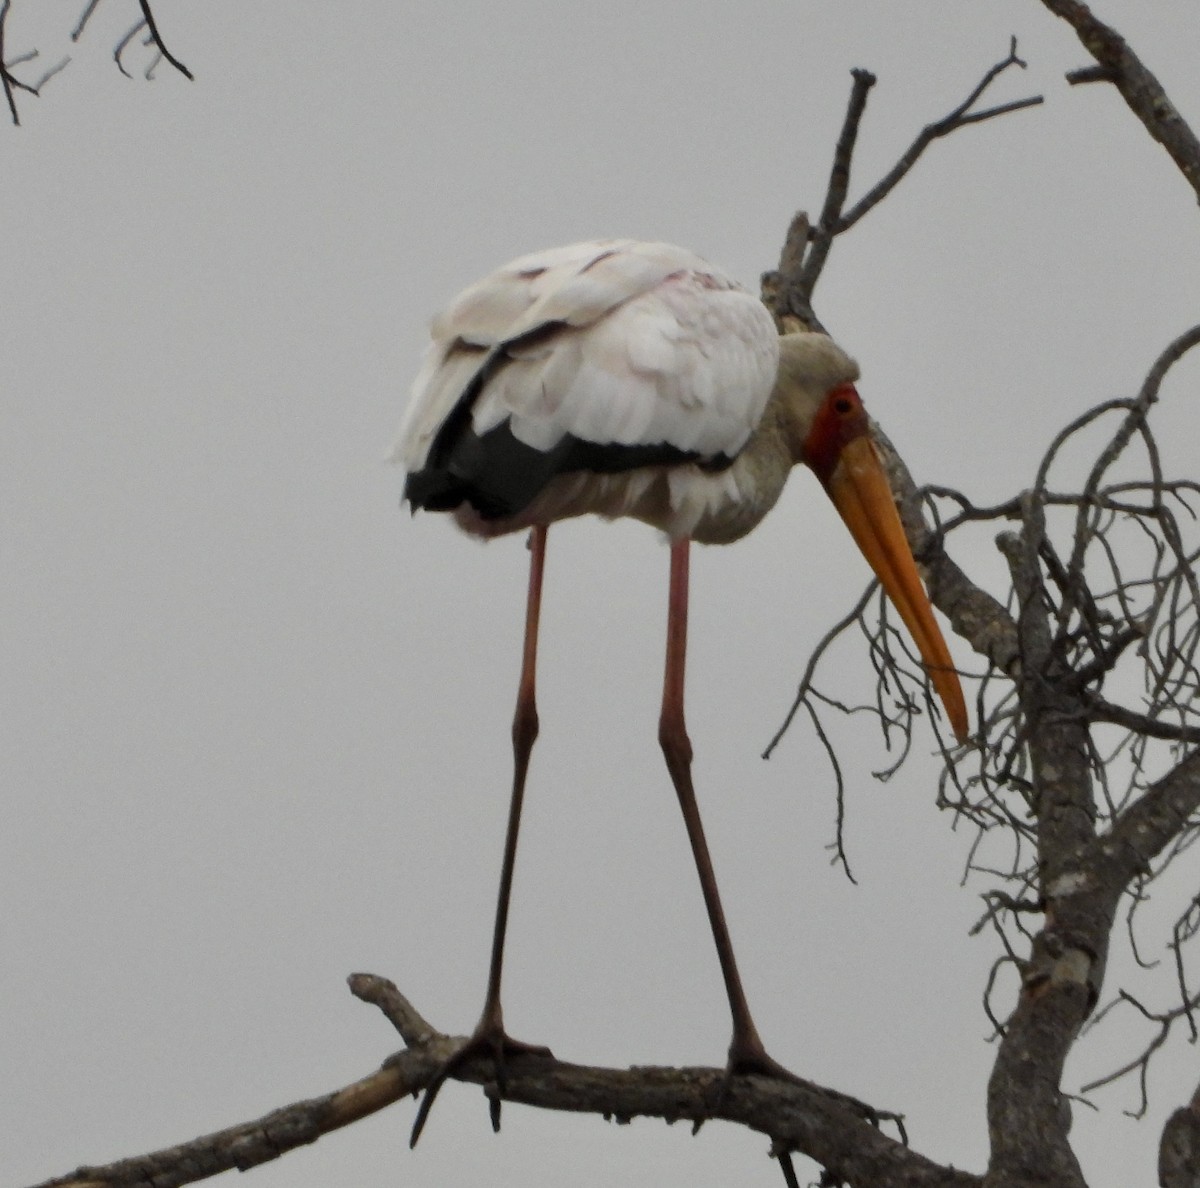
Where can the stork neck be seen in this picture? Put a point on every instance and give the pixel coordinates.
(756, 478)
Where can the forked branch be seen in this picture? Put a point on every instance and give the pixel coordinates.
(152, 38)
(788, 289)
(146, 25)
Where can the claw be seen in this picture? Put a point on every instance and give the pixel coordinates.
(749, 1058)
(789, 1169)
(427, 1104)
(487, 1041)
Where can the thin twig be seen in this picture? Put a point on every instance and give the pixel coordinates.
(1105, 711)
(822, 235)
(831, 753)
(123, 45)
(49, 74)
(960, 117)
(85, 16)
(148, 17)
(5, 77)
(810, 669)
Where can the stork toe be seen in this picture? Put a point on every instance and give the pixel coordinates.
(487, 1042)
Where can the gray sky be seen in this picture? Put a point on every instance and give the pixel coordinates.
(255, 719)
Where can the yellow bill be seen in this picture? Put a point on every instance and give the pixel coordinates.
(859, 489)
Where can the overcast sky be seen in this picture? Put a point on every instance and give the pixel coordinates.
(255, 718)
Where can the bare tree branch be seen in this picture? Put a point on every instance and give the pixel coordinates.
(836, 1130)
(47, 75)
(145, 22)
(1028, 1120)
(123, 45)
(152, 25)
(814, 660)
(5, 77)
(788, 289)
(821, 237)
(1140, 89)
(153, 37)
(960, 117)
(84, 17)
(1100, 710)
(975, 615)
(1141, 1062)
(1144, 830)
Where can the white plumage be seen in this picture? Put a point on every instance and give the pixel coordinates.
(616, 343)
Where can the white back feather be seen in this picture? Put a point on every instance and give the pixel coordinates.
(644, 343)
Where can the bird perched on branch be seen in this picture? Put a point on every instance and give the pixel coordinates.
(636, 380)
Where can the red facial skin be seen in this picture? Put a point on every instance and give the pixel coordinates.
(840, 419)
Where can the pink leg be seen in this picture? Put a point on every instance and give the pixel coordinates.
(524, 734)
(489, 1037)
(746, 1051)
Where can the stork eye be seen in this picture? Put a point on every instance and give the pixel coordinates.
(843, 401)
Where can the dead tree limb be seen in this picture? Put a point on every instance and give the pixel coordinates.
(146, 23)
(789, 288)
(1118, 64)
(840, 1133)
(7, 79)
(152, 27)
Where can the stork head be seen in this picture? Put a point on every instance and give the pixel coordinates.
(828, 430)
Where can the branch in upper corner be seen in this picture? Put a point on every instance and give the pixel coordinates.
(154, 38)
(84, 17)
(788, 290)
(10, 82)
(146, 22)
(7, 79)
(148, 17)
(960, 117)
(1141, 90)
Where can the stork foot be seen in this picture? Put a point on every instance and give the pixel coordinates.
(753, 1060)
(750, 1059)
(489, 1040)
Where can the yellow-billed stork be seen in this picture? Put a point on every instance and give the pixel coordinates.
(635, 379)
